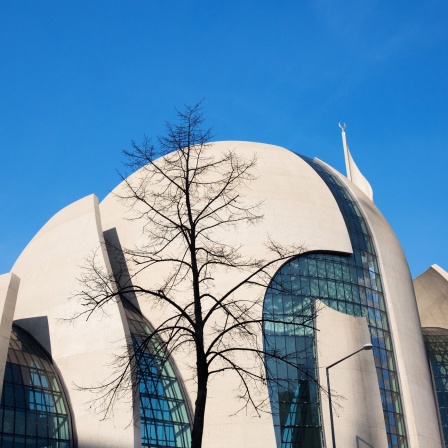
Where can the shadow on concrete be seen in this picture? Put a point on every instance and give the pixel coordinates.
(119, 265)
(360, 443)
(38, 328)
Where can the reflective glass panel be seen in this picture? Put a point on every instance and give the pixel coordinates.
(33, 409)
(349, 284)
(436, 343)
(164, 417)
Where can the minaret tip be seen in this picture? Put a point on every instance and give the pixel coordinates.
(353, 173)
(346, 152)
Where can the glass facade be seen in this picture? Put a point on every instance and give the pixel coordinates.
(350, 284)
(164, 417)
(293, 393)
(33, 410)
(436, 343)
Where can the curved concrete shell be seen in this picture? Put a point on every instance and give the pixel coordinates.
(296, 205)
(49, 268)
(352, 382)
(431, 290)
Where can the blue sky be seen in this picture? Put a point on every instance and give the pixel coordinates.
(80, 79)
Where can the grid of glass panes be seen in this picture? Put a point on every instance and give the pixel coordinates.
(293, 392)
(163, 414)
(436, 343)
(362, 278)
(33, 409)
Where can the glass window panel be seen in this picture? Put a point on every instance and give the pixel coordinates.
(357, 256)
(321, 271)
(8, 421)
(342, 285)
(42, 425)
(348, 291)
(323, 288)
(303, 267)
(331, 289)
(340, 291)
(8, 441)
(436, 343)
(63, 428)
(162, 404)
(314, 285)
(346, 277)
(305, 286)
(342, 306)
(338, 272)
(312, 268)
(20, 419)
(8, 394)
(8, 373)
(350, 310)
(12, 358)
(59, 404)
(34, 383)
(330, 270)
(52, 423)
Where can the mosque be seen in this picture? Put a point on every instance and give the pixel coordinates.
(379, 336)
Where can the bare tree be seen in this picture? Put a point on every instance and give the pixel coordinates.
(185, 195)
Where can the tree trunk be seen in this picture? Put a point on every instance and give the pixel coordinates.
(201, 399)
